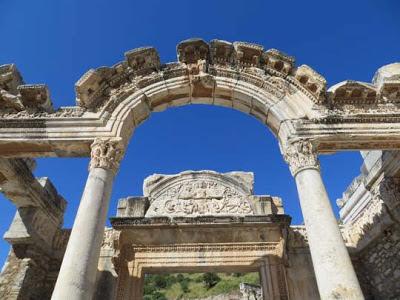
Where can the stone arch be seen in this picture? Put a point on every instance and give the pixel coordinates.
(292, 101)
(242, 76)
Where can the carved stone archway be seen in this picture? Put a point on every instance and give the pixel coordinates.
(112, 101)
(201, 221)
(292, 101)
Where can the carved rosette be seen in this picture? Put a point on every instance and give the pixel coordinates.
(301, 155)
(106, 154)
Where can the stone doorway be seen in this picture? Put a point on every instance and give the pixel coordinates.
(200, 222)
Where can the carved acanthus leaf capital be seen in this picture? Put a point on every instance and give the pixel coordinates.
(300, 155)
(106, 154)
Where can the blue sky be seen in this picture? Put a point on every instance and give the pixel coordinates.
(55, 42)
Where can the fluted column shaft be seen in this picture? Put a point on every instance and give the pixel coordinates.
(76, 279)
(336, 278)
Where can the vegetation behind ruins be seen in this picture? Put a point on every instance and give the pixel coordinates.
(194, 286)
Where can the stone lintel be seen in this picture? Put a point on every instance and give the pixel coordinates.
(21, 187)
(126, 222)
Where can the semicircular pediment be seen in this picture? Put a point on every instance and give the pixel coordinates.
(199, 193)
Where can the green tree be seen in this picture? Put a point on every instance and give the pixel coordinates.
(160, 281)
(210, 279)
(184, 286)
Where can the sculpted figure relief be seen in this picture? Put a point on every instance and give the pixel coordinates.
(203, 195)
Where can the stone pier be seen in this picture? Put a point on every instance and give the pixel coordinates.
(333, 268)
(76, 280)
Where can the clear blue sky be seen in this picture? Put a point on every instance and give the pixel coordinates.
(55, 42)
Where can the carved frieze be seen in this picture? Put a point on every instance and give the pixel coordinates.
(277, 62)
(200, 197)
(352, 92)
(143, 60)
(17, 97)
(190, 51)
(198, 193)
(387, 81)
(89, 89)
(35, 96)
(10, 103)
(247, 54)
(313, 83)
(10, 78)
(221, 52)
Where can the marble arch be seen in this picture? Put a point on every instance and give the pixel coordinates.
(293, 102)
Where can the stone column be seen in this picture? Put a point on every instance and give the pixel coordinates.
(130, 279)
(333, 269)
(137, 283)
(273, 279)
(77, 276)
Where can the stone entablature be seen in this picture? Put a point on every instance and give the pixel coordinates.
(112, 101)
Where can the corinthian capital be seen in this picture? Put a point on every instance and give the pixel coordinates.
(300, 155)
(106, 154)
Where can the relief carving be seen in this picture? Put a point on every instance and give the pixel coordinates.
(371, 215)
(389, 191)
(301, 155)
(106, 154)
(200, 197)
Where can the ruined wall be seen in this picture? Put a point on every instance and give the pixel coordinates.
(37, 242)
(378, 266)
(27, 274)
(370, 211)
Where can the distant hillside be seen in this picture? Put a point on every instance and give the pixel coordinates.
(195, 286)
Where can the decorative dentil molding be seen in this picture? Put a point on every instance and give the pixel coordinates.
(301, 155)
(106, 154)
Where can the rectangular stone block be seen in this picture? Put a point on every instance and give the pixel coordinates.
(132, 207)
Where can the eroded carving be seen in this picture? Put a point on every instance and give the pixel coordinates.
(247, 54)
(277, 62)
(221, 52)
(192, 50)
(301, 155)
(313, 82)
(200, 197)
(106, 154)
(143, 60)
(199, 193)
(387, 80)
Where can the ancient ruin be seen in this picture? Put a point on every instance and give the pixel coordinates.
(167, 229)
